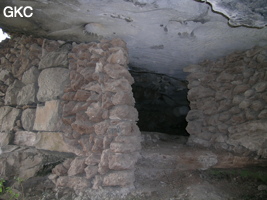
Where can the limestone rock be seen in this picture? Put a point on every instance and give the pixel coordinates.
(91, 171)
(8, 117)
(27, 119)
(260, 87)
(122, 98)
(25, 138)
(12, 92)
(122, 161)
(101, 127)
(27, 95)
(117, 71)
(77, 166)
(94, 112)
(124, 147)
(5, 138)
(27, 162)
(75, 182)
(30, 76)
(52, 141)
(52, 83)
(124, 112)
(117, 85)
(118, 58)
(60, 170)
(200, 92)
(54, 59)
(47, 116)
(93, 159)
(120, 178)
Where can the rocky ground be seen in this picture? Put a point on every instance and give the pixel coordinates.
(160, 177)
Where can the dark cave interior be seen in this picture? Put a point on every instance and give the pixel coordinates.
(161, 101)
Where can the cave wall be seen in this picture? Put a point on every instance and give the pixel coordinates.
(228, 100)
(74, 98)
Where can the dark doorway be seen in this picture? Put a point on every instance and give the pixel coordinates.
(161, 101)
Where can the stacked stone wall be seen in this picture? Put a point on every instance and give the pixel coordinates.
(228, 100)
(74, 98)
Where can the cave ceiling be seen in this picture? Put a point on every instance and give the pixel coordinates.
(162, 35)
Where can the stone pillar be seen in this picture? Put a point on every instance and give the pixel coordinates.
(228, 102)
(99, 117)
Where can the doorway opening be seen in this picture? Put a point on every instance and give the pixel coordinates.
(161, 101)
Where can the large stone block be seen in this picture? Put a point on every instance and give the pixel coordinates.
(8, 117)
(12, 92)
(52, 141)
(30, 76)
(54, 59)
(27, 118)
(5, 138)
(25, 138)
(52, 83)
(47, 117)
(27, 95)
(27, 162)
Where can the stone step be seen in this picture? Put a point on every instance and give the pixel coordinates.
(164, 157)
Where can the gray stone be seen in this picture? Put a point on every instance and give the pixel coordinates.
(120, 178)
(52, 83)
(124, 112)
(4, 75)
(52, 141)
(27, 119)
(25, 138)
(54, 59)
(77, 166)
(260, 87)
(91, 171)
(30, 76)
(200, 92)
(5, 138)
(47, 117)
(12, 92)
(122, 161)
(8, 117)
(75, 182)
(27, 95)
(124, 147)
(207, 160)
(27, 162)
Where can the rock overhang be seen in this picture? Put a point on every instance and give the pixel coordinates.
(162, 35)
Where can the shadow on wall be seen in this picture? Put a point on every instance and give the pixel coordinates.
(161, 102)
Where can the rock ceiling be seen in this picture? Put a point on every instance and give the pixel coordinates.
(162, 35)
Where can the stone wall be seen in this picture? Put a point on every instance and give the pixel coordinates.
(76, 98)
(228, 100)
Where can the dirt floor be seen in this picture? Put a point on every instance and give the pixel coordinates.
(160, 177)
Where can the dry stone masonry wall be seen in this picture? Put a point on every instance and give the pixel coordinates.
(228, 100)
(75, 98)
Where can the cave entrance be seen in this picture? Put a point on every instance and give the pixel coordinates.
(161, 101)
